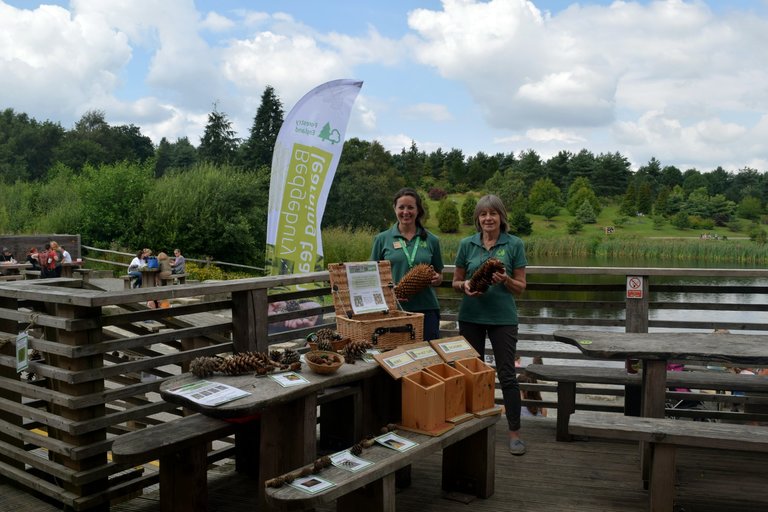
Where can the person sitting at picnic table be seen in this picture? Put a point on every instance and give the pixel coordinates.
(65, 256)
(164, 265)
(179, 265)
(33, 258)
(133, 269)
(7, 256)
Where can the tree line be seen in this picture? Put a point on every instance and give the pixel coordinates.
(115, 187)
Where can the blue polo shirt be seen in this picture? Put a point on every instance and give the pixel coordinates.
(389, 244)
(497, 305)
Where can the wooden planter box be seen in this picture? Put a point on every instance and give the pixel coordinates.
(424, 403)
(480, 381)
(385, 330)
(455, 391)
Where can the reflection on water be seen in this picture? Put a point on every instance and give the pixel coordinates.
(545, 312)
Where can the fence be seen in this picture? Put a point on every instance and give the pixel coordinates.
(103, 355)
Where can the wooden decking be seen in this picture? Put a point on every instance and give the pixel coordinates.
(553, 477)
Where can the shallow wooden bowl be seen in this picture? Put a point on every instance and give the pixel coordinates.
(316, 360)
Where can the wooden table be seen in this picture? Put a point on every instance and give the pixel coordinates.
(13, 268)
(68, 268)
(655, 349)
(285, 436)
(149, 277)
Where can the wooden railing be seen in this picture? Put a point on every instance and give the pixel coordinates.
(104, 354)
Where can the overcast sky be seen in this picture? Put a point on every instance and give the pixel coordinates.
(684, 81)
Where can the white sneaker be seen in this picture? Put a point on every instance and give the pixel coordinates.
(516, 447)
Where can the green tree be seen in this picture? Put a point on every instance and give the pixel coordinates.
(750, 208)
(257, 150)
(549, 210)
(542, 192)
(519, 223)
(468, 210)
(510, 188)
(448, 216)
(27, 147)
(585, 214)
(111, 203)
(163, 157)
(579, 191)
(218, 144)
(209, 210)
(612, 174)
(184, 154)
(362, 191)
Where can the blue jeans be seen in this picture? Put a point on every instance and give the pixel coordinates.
(136, 276)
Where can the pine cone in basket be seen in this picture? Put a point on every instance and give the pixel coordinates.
(481, 280)
(414, 281)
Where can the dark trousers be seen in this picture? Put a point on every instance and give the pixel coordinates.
(504, 343)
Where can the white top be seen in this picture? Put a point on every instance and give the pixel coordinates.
(66, 257)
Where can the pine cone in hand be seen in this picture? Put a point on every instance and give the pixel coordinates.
(414, 281)
(482, 279)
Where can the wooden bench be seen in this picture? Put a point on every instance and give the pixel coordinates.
(568, 376)
(173, 278)
(31, 274)
(11, 277)
(127, 280)
(83, 273)
(468, 466)
(181, 445)
(664, 436)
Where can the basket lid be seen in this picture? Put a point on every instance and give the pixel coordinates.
(340, 287)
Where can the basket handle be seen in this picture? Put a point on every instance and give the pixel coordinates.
(384, 330)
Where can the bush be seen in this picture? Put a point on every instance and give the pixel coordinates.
(468, 210)
(574, 227)
(436, 194)
(519, 223)
(448, 216)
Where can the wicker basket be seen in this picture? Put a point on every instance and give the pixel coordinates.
(385, 330)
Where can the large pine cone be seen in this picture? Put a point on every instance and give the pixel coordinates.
(414, 281)
(204, 366)
(482, 278)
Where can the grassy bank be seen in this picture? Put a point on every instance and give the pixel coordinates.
(342, 245)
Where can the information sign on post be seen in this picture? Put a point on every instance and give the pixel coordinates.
(634, 287)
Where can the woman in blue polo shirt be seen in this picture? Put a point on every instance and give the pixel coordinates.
(406, 244)
(494, 313)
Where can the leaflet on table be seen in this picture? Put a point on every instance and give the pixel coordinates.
(396, 442)
(311, 484)
(289, 379)
(369, 353)
(209, 393)
(364, 283)
(345, 460)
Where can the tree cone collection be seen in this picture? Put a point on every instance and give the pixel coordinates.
(482, 279)
(244, 362)
(415, 280)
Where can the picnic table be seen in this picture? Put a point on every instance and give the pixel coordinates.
(285, 434)
(67, 269)
(656, 349)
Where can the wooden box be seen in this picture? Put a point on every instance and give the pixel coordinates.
(455, 391)
(480, 381)
(387, 329)
(424, 394)
(423, 402)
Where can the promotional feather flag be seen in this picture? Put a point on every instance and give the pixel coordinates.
(304, 161)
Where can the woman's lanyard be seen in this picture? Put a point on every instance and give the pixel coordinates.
(410, 257)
